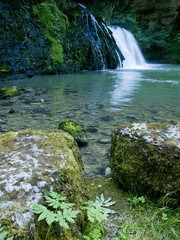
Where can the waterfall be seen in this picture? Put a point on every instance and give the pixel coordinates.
(129, 48)
(103, 51)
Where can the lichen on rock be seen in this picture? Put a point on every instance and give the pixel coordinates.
(76, 130)
(145, 158)
(33, 162)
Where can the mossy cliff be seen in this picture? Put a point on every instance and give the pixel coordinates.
(33, 162)
(145, 159)
(52, 37)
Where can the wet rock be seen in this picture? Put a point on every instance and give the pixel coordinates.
(76, 130)
(104, 141)
(33, 162)
(107, 118)
(12, 111)
(92, 129)
(8, 92)
(132, 117)
(3, 121)
(146, 158)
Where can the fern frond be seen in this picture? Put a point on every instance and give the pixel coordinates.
(38, 208)
(57, 196)
(65, 205)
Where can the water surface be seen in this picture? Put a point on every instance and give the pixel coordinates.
(100, 100)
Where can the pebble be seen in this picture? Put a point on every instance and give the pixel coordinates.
(104, 141)
(107, 171)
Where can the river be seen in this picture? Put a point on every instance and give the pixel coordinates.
(100, 100)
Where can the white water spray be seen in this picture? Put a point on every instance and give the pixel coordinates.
(129, 48)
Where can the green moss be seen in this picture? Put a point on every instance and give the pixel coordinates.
(4, 70)
(55, 24)
(76, 130)
(61, 151)
(8, 135)
(145, 168)
(9, 92)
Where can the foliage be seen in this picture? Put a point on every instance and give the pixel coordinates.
(55, 24)
(148, 221)
(104, 8)
(62, 213)
(3, 234)
(97, 212)
(137, 200)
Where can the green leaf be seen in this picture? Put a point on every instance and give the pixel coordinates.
(3, 235)
(10, 238)
(57, 196)
(43, 215)
(38, 208)
(52, 202)
(102, 197)
(66, 205)
(50, 218)
(61, 220)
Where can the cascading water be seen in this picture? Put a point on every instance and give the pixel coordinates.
(103, 51)
(129, 48)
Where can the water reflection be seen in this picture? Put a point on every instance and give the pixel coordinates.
(126, 83)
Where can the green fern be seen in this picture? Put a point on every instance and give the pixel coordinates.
(3, 234)
(62, 214)
(97, 212)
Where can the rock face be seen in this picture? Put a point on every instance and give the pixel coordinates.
(33, 162)
(42, 37)
(146, 158)
(76, 130)
(163, 12)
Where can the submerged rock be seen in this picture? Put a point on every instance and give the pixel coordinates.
(146, 158)
(76, 130)
(8, 92)
(33, 162)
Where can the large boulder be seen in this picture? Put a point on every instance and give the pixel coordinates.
(76, 130)
(145, 158)
(32, 163)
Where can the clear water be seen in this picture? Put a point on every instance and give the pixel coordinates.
(100, 100)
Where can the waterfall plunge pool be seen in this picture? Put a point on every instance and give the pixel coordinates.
(100, 100)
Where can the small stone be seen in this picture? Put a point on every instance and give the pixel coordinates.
(108, 171)
(12, 111)
(132, 117)
(70, 115)
(104, 141)
(2, 121)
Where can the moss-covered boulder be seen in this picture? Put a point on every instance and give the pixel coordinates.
(8, 92)
(76, 130)
(32, 163)
(146, 158)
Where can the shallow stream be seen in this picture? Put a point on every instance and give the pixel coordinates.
(100, 100)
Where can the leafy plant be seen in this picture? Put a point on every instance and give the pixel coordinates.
(3, 234)
(62, 214)
(97, 212)
(137, 200)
